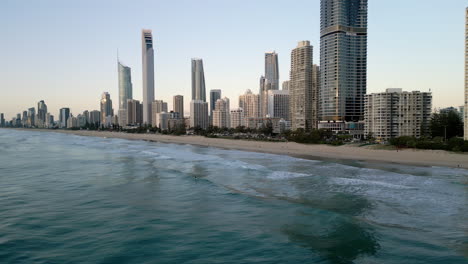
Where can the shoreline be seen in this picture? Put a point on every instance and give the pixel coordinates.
(412, 157)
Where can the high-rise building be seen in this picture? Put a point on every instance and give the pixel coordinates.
(178, 105)
(64, 114)
(24, 120)
(49, 121)
(343, 59)
(95, 117)
(285, 86)
(148, 73)
(41, 111)
(158, 106)
(237, 117)
(199, 114)
(215, 94)
(2, 120)
(31, 117)
(395, 113)
(301, 89)
(162, 120)
(106, 106)
(466, 76)
(250, 103)
(134, 112)
(221, 114)
(268, 82)
(125, 85)
(278, 104)
(198, 80)
(315, 95)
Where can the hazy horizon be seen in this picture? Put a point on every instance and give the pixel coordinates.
(66, 52)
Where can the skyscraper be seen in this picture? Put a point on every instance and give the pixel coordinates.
(301, 87)
(106, 107)
(343, 59)
(466, 75)
(41, 111)
(237, 117)
(148, 73)
(199, 114)
(285, 86)
(31, 117)
(64, 114)
(198, 80)
(268, 82)
(278, 104)
(125, 85)
(134, 112)
(2, 120)
(221, 114)
(215, 94)
(178, 105)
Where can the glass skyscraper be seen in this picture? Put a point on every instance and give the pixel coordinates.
(148, 73)
(343, 59)
(125, 85)
(198, 80)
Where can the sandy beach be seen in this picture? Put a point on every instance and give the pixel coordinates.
(346, 152)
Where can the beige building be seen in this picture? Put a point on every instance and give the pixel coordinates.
(250, 103)
(221, 114)
(237, 117)
(395, 113)
(302, 93)
(278, 104)
(199, 114)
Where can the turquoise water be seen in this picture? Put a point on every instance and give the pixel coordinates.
(72, 199)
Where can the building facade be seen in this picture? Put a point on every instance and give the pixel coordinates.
(41, 111)
(215, 94)
(301, 88)
(125, 85)
(395, 113)
(221, 114)
(278, 104)
(134, 112)
(106, 106)
(466, 77)
(199, 114)
(178, 105)
(237, 117)
(148, 73)
(198, 80)
(343, 59)
(64, 114)
(251, 104)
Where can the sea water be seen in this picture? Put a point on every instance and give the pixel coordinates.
(73, 199)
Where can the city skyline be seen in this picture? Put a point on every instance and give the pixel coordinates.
(51, 87)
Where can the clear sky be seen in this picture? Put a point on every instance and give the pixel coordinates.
(64, 51)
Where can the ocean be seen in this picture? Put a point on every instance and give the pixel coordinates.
(73, 199)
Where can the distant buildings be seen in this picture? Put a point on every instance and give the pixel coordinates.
(31, 117)
(178, 105)
(41, 112)
(198, 105)
(250, 103)
(63, 117)
(134, 112)
(2, 120)
(162, 120)
(221, 114)
(395, 113)
(148, 73)
(106, 107)
(278, 103)
(343, 59)
(125, 85)
(158, 106)
(301, 88)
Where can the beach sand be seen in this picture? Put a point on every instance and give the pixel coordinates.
(345, 152)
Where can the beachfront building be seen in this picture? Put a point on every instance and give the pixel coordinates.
(106, 106)
(125, 84)
(2, 120)
(198, 80)
(199, 114)
(64, 114)
(270, 81)
(237, 117)
(343, 60)
(162, 120)
(221, 114)
(278, 103)
(158, 106)
(178, 105)
(302, 93)
(41, 112)
(395, 113)
(95, 117)
(134, 112)
(148, 73)
(215, 94)
(251, 104)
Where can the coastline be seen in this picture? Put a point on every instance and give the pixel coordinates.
(344, 153)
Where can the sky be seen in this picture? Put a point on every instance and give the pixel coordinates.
(65, 52)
